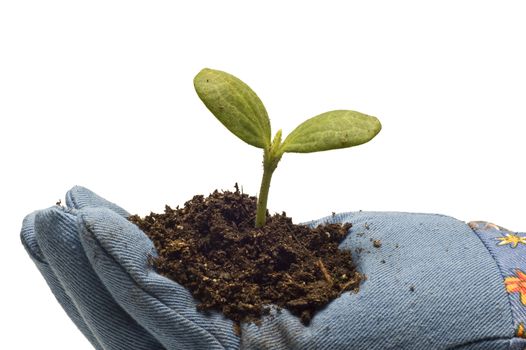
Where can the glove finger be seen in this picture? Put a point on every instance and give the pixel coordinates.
(57, 235)
(80, 197)
(27, 235)
(119, 252)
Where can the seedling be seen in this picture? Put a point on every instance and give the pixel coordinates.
(241, 111)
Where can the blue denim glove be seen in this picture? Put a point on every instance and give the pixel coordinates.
(434, 283)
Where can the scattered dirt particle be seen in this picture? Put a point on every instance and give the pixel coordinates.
(237, 329)
(211, 247)
(377, 243)
(382, 261)
(411, 288)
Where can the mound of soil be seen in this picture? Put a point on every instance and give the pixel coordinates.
(211, 247)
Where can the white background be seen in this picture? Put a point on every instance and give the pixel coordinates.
(100, 94)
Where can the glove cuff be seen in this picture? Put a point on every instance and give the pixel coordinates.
(508, 248)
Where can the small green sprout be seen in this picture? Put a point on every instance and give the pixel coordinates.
(241, 111)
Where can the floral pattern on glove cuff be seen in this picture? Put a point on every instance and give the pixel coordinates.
(508, 248)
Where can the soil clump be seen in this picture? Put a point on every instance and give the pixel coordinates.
(211, 247)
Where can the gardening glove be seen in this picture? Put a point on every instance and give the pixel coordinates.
(96, 264)
(433, 282)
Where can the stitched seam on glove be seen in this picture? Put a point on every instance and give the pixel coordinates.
(478, 341)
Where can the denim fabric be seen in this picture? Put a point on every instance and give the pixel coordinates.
(432, 284)
(56, 235)
(31, 245)
(508, 248)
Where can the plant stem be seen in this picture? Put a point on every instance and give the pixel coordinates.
(271, 157)
(261, 213)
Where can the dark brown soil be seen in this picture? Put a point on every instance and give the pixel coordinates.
(211, 247)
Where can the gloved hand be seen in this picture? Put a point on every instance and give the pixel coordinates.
(434, 283)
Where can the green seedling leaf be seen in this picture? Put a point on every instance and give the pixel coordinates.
(241, 111)
(332, 130)
(235, 105)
